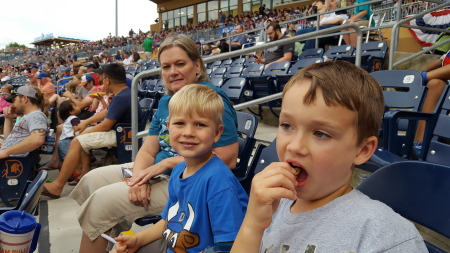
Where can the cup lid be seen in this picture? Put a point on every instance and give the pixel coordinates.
(17, 222)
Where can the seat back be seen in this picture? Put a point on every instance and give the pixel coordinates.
(233, 72)
(373, 55)
(302, 63)
(214, 65)
(263, 156)
(226, 63)
(234, 88)
(277, 68)
(418, 191)
(311, 53)
(218, 72)
(33, 192)
(15, 172)
(247, 124)
(249, 61)
(238, 62)
(217, 81)
(253, 69)
(402, 90)
(334, 53)
(147, 105)
(438, 149)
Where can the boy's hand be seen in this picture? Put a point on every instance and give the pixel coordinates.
(276, 181)
(126, 244)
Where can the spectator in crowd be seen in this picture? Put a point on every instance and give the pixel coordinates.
(360, 18)
(236, 41)
(330, 124)
(208, 182)
(100, 135)
(5, 91)
(67, 112)
(117, 57)
(148, 46)
(279, 53)
(29, 133)
(127, 58)
(137, 61)
(45, 84)
(326, 21)
(222, 18)
(181, 65)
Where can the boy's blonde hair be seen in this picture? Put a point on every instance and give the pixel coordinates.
(342, 83)
(198, 98)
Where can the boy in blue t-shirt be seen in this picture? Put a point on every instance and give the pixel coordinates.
(206, 202)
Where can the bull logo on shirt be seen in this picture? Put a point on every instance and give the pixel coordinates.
(177, 232)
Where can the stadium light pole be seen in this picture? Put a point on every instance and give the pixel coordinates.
(117, 18)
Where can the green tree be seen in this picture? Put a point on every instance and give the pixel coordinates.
(15, 45)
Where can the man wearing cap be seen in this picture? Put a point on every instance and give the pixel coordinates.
(29, 133)
(100, 135)
(44, 81)
(148, 46)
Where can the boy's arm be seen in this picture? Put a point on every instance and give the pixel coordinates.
(276, 181)
(128, 243)
(151, 234)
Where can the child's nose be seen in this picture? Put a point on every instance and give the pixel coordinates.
(298, 144)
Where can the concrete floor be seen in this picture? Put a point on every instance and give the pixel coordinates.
(61, 232)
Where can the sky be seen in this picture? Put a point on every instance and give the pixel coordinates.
(25, 20)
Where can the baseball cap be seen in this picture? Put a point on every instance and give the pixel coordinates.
(91, 65)
(86, 78)
(41, 75)
(24, 91)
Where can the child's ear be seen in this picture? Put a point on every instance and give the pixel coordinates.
(367, 148)
(219, 132)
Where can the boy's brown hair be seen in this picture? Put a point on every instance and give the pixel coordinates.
(342, 83)
(198, 98)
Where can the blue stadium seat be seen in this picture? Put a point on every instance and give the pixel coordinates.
(373, 55)
(336, 52)
(249, 61)
(226, 63)
(311, 53)
(264, 155)
(15, 173)
(418, 191)
(233, 72)
(253, 69)
(217, 81)
(218, 72)
(235, 88)
(238, 62)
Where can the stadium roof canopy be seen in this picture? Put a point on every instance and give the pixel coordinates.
(49, 41)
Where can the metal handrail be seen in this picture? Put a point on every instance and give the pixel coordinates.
(395, 30)
(138, 77)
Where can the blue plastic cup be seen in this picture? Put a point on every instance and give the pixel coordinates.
(19, 232)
